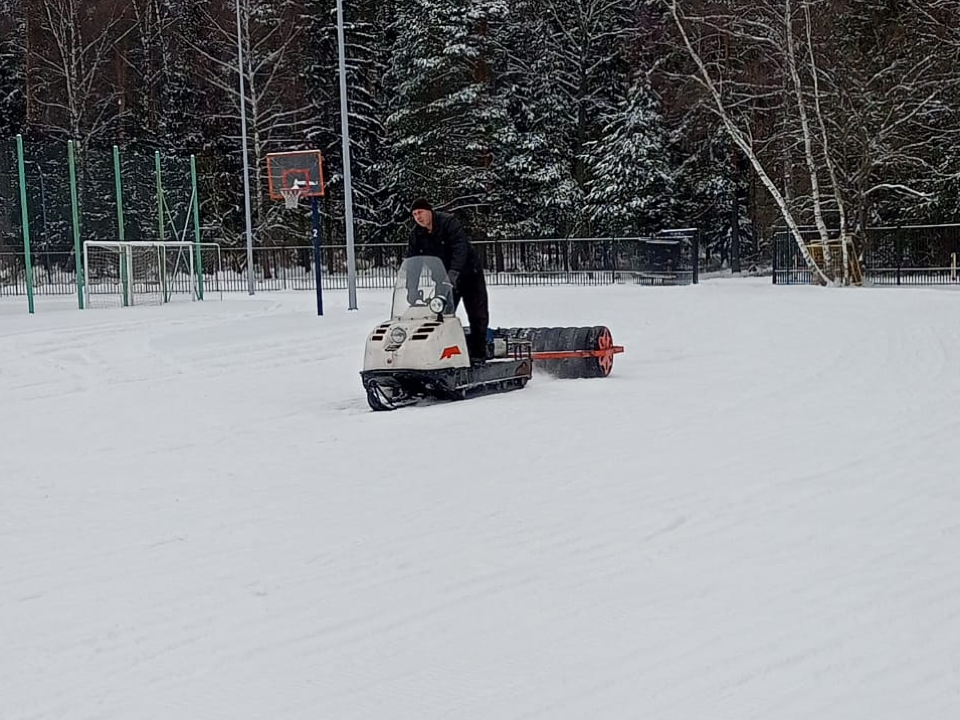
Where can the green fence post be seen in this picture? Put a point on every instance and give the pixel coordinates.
(121, 235)
(25, 218)
(195, 207)
(75, 210)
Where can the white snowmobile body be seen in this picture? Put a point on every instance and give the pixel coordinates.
(421, 351)
(417, 339)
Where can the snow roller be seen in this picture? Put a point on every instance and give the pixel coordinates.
(421, 351)
(569, 352)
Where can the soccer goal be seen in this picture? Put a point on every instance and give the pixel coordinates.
(125, 274)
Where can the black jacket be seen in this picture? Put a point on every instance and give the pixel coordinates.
(448, 241)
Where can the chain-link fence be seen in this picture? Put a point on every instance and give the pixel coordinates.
(665, 258)
(76, 193)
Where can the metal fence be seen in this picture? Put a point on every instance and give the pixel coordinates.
(664, 258)
(902, 255)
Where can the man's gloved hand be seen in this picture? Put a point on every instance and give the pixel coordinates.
(454, 276)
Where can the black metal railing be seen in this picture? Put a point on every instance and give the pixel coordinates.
(902, 255)
(665, 258)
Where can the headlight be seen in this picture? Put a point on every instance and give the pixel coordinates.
(437, 305)
(398, 335)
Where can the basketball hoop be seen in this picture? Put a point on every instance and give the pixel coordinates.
(291, 197)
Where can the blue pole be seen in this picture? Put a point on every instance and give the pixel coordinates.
(317, 264)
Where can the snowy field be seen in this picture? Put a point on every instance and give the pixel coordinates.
(756, 516)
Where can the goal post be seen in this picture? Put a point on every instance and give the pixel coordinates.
(130, 273)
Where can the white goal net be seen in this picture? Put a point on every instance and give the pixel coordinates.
(125, 274)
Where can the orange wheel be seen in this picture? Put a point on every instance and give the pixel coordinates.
(605, 361)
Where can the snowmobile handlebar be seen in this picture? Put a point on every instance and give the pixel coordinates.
(417, 298)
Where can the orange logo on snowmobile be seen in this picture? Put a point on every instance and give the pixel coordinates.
(450, 352)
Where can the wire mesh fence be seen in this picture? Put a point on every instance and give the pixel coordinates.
(665, 258)
(154, 192)
(75, 194)
(70, 193)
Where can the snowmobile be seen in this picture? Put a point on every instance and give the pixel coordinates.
(421, 351)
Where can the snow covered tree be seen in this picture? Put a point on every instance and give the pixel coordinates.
(894, 112)
(442, 114)
(532, 162)
(189, 117)
(163, 102)
(834, 112)
(12, 68)
(74, 43)
(564, 69)
(366, 48)
(632, 183)
(763, 33)
(277, 113)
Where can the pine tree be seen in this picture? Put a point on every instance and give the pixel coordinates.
(12, 68)
(632, 183)
(532, 166)
(365, 53)
(443, 114)
(570, 57)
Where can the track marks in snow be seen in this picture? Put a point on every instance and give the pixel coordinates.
(754, 517)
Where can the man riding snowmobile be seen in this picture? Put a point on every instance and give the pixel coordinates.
(440, 234)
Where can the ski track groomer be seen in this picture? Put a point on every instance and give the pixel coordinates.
(440, 234)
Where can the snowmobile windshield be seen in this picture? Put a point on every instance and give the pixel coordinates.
(419, 281)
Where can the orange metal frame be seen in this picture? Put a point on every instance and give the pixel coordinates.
(604, 353)
(316, 160)
(568, 354)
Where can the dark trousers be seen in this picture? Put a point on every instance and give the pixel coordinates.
(472, 289)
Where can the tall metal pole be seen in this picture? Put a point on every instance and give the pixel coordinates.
(195, 211)
(25, 221)
(75, 213)
(317, 260)
(44, 238)
(251, 281)
(125, 263)
(161, 235)
(347, 187)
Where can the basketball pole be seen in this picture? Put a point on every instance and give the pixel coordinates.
(251, 281)
(317, 264)
(347, 186)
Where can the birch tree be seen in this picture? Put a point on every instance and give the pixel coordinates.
(865, 98)
(277, 115)
(765, 36)
(897, 119)
(74, 91)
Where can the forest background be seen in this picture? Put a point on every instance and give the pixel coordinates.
(529, 118)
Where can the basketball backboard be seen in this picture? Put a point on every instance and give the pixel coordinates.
(301, 169)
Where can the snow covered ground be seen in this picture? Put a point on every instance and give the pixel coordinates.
(756, 516)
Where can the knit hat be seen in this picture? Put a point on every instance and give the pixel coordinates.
(421, 204)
